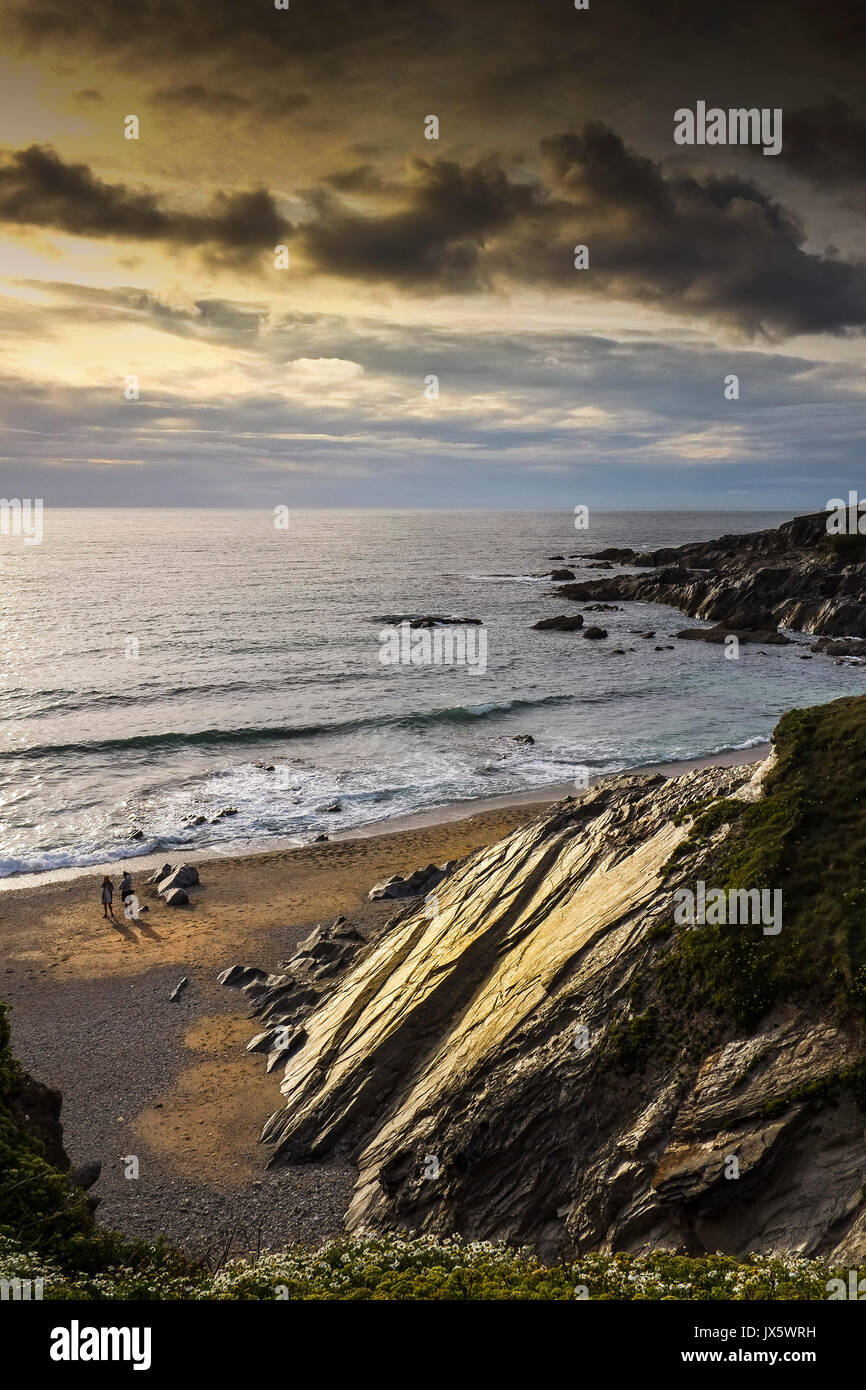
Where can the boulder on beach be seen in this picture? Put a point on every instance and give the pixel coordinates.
(237, 976)
(595, 633)
(160, 874)
(417, 885)
(176, 897)
(184, 876)
(561, 574)
(523, 738)
(84, 1175)
(564, 622)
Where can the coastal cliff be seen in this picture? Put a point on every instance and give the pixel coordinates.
(540, 1053)
(796, 576)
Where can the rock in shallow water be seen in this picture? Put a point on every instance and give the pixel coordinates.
(565, 622)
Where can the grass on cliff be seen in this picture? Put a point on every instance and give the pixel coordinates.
(807, 837)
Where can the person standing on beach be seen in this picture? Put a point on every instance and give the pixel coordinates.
(107, 896)
(126, 886)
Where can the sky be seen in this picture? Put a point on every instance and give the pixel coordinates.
(424, 338)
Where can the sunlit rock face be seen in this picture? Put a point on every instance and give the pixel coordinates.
(461, 1060)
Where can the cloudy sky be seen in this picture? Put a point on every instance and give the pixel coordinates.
(408, 258)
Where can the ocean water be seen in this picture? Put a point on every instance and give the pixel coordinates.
(157, 663)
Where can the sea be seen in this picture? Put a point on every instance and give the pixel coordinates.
(163, 666)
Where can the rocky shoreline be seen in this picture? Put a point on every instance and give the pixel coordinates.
(796, 576)
(473, 1058)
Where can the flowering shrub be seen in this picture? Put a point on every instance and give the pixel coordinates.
(427, 1268)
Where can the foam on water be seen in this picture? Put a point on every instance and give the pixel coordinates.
(256, 648)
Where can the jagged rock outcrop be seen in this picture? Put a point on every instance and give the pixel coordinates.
(795, 576)
(417, 884)
(36, 1108)
(470, 1060)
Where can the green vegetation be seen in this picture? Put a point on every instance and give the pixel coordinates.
(843, 549)
(822, 1089)
(707, 817)
(805, 836)
(630, 1042)
(428, 1269)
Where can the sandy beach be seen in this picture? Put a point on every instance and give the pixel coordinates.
(170, 1082)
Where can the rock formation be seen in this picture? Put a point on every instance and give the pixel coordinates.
(565, 622)
(796, 576)
(546, 1059)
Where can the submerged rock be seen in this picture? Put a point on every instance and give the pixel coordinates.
(720, 633)
(437, 620)
(566, 622)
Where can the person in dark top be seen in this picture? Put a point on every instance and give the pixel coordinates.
(126, 886)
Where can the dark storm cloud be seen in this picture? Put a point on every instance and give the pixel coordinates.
(361, 179)
(197, 95)
(714, 246)
(717, 247)
(167, 28)
(438, 239)
(827, 144)
(38, 188)
(775, 27)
